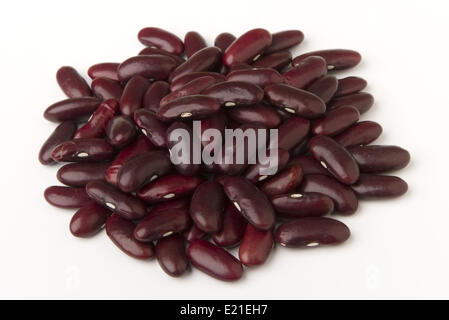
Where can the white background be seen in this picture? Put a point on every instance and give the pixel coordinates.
(398, 249)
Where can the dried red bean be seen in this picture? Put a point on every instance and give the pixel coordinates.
(156, 67)
(362, 101)
(379, 187)
(120, 131)
(259, 113)
(306, 72)
(292, 132)
(311, 232)
(194, 233)
(181, 203)
(71, 109)
(189, 108)
(218, 122)
(238, 66)
(309, 165)
(88, 220)
(336, 121)
(204, 60)
(284, 40)
(193, 42)
(72, 84)
(83, 150)
(79, 174)
(121, 232)
(153, 96)
(277, 60)
(187, 169)
(337, 59)
(283, 182)
(261, 77)
(360, 133)
(256, 246)
(151, 127)
(171, 255)
(66, 197)
(62, 133)
(350, 85)
(224, 40)
(106, 89)
(161, 39)
(132, 97)
(253, 173)
(152, 50)
(372, 159)
(325, 87)
(300, 205)
(214, 261)
(104, 70)
(231, 93)
(183, 80)
(193, 87)
(234, 225)
(96, 126)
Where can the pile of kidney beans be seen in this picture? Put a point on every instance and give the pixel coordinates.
(120, 175)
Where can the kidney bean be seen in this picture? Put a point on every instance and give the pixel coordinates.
(283, 182)
(301, 148)
(161, 224)
(261, 77)
(362, 101)
(193, 87)
(181, 203)
(121, 232)
(152, 50)
(106, 89)
(336, 121)
(350, 85)
(194, 233)
(217, 121)
(156, 67)
(88, 220)
(171, 255)
(360, 133)
(83, 150)
(151, 127)
(374, 159)
(233, 229)
(238, 66)
(79, 174)
(161, 39)
(334, 158)
(378, 186)
(133, 93)
(250, 201)
(276, 60)
(295, 101)
(140, 146)
(71, 109)
(62, 133)
(224, 40)
(204, 60)
(122, 204)
(72, 84)
(292, 132)
(183, 80)
(96, 126)
(169, 187)
(260, 113)
(336, 59)
(231, 93)
(285, 40)
(66, 197)
(253, 172)
(300, 205)
(104, 70)
(193, 42)
(189, 108)
(325, 87)
(344, 198)
(247, 47)
(256, 246)
(120, 131)
(214, 261)
(309, 165)
(154, 94)
(306, 72)
(311, 232)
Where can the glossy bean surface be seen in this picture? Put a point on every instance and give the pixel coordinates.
(309, 165)
(152, 50)
(193, 42)
(171, 255)
(233, 228)
(104, 70)
(156, 67)
(183, 80)
(379, 186)
(88, 220)
(71, 83)
(195, 86)
(256, 246)
(83, 150)
(189, 108)
(276, 60)
(299, 205)
(79, 174)
(231, 93)
(284, 182)
(337, 59)
(169, 187)
(161, 39)
(66, 197)
(306, 72)
(361, 133)
(151, 127)
(120, 131)
(63, 132)
(154, 94)
(336, 121)
(324, 87)
(96, 126)
(71, 109)
(362, 101)
(350, 85)
(132, 97)
(194, 233)
(224, 40)
(106, 89)
(254, 174)
(204, 60)
(261, 77)
(372, 159)
(283, 40)
(259, 113)
(292, 132)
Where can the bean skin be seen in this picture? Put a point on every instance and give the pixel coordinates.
(153, 96)
(378, 187)
(161, 39)
(214, 261)
(62, 133)
(187, 169)
(66, 197)
(106, 89)
(171, 255)
(156, 66)
(152, 50)
(183, 80)
(337, 59)
(194, 233)
(256, 246)
(362, 101)
(231, 93)
(193, 42)
(88, 220)
(195, 86)
(300, 205)
(292, 132)
(277, 60)
(234, 225)
(261, 77)
(72, 84)
(309, 165)
(350, 85)
(224, 40)
(121, 232)
(204, 60)
(283, 182)
(104, 70)
(96, 126)
(306, 72)
(181, 203)
(79, 174)
(334, 158)
(189, 108)
(73, 109)
(311, 232)
(336, 121)
(361, 133)
(133, 93)
(151, 127)
(83, 150)
(324, 87)
(253, 172)
(122, 204)
(376, 159)
(120, 131)
(284, 40)
(259, 113)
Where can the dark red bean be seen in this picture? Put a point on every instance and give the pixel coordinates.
(161, 39)
(239, 66)
(261, 77)
(362, 101)
(256, 246)
(83, 150)
(121, 232)
(62, 133)
(337, 59)
(306, 72)
(153, 96)
(300, 205)
(152, 50)
(344, 198)
(193, 87)
(88, 220)
(224, 40)
(104, 70)
(260, 113)
(217, 121)
(66, 197)
(309, 165)
(132, 97)
(161, 224)
(71, 109)
(254, 174)
(120, 131)
(292, 132)
(360, 133)
(96, 126)
(171, 255)
(140, 146)
(122, 204)
(194, 233)
(334, 158)
(234, 225)
(336, 121)
(375, 159)
(142, 169)
(187, 168)
(72, 84)
(189, 108)
(350, 85)
(155, 67)
(204, 60)
(207, 205)
(301, 148)
(325, 87)
(311, 232)
(151, 127)
(181, 203)
(214, 261)
(284, 40)
(283, 182)
(193, 42)
(379, 187)
(169, 187)
(106, 89)
(248, 47)
(183, 80)
(295, 101)
(79, 174)
(231, 93)
(250, 201)
(277, 60)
